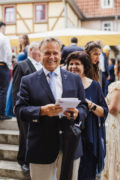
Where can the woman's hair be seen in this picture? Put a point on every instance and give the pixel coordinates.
(90, 46)
(27, 42)
(118, 65)
(83, 58)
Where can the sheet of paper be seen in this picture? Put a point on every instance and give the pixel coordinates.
(67, 103)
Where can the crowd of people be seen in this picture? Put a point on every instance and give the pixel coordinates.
(43, 72)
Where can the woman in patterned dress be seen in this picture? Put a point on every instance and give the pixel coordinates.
(112, 162)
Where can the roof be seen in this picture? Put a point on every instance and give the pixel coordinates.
(76, 9)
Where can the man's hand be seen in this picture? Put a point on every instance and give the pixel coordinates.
(50, 110)
(68, 112)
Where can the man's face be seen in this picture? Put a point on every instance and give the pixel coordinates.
(50, 55)
(35, 53)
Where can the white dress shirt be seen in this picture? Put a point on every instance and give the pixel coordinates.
(101, 63)
(57, 79)
(5, 51)
(36, 64)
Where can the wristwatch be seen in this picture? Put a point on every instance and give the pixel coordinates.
(94, 108)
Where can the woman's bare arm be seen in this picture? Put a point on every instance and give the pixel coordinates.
(114, 102)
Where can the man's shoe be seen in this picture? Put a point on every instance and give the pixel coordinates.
(25, 168)
(4, 117)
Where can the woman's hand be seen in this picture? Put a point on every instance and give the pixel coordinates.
(90, 104)
(98, 111)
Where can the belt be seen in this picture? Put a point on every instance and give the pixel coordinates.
(2, 64)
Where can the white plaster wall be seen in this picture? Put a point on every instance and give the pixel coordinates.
(26, 10)
(92, 25)
(72, 17)
(40, 28)
(60, 24)
(55, 8)
(10, 29)
(21, 28)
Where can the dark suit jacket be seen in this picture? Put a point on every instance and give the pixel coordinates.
(112, 74)
(67, 50)
(20, 69)
(43, 142)
(106, 64)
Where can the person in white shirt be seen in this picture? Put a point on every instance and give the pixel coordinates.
(5, 66)
(28, 66)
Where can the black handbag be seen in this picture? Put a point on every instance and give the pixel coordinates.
(71, 139)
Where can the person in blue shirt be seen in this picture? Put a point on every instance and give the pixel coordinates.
(93, 135)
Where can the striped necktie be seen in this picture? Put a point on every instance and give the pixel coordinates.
(52, 83)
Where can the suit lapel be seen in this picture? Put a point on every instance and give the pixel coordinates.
(31, 65)
(45, 85)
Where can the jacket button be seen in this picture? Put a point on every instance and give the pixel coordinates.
(35, 120)
(60, 132)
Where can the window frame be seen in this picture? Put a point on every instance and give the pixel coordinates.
(4, 14)
(105, 22)
(46, 16)
(108, 5)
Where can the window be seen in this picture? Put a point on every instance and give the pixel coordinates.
(9, 14)
(40, 12)
(107, 26)
(107, 3)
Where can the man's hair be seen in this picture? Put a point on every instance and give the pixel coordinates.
(50, 39)
(32, 45)
(2, 24)
(74, 40)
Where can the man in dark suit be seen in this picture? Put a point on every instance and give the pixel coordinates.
(104, 69)
(21, 69)
(69, 49)
(36, 104)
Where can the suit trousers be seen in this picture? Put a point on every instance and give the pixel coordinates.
(47, 171)
(23, 128)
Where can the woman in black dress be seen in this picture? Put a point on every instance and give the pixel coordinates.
(93, 135)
